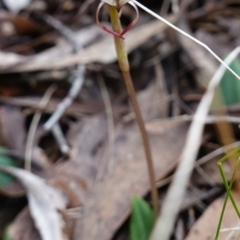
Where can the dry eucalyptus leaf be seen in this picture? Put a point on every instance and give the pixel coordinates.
(206, 226)
(108, 206)
(44, 203)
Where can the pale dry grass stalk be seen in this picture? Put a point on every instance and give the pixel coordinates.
(171, 205)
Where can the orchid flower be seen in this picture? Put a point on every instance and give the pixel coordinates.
(118, 5)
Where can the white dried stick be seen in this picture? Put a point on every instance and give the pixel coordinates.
(171, 205)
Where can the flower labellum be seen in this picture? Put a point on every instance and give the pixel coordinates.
(118, 5)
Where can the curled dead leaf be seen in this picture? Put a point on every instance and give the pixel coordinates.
(44, 202)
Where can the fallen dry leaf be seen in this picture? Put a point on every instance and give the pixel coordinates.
(102, 51)
(45, 202)
(206, 226)
(108, 206)
(75, 177)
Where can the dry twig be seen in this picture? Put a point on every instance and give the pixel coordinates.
(52, 123)
(170, 207)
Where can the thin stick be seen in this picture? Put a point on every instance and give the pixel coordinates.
(186, 35)
(124, 66)
(172, 203)
(61, 141)
(67, 101)
(189, 118)
(79, 73)
(34, 124)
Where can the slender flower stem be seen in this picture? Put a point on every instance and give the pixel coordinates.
(124, 66)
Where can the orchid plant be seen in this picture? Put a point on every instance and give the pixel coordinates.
(114, 9)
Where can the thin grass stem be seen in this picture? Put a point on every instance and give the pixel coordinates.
(228, 188)
(221, 218)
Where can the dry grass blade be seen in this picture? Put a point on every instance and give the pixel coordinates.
(33, 128)
(44, 202)
(186, 35)
(170, 207)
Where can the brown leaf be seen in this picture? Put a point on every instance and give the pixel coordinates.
(108, 206)
(206, 226)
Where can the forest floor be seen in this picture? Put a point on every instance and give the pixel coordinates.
(67, 126)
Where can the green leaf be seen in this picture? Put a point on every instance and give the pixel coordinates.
(7, 161)
(230, 86)
(142, 219)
